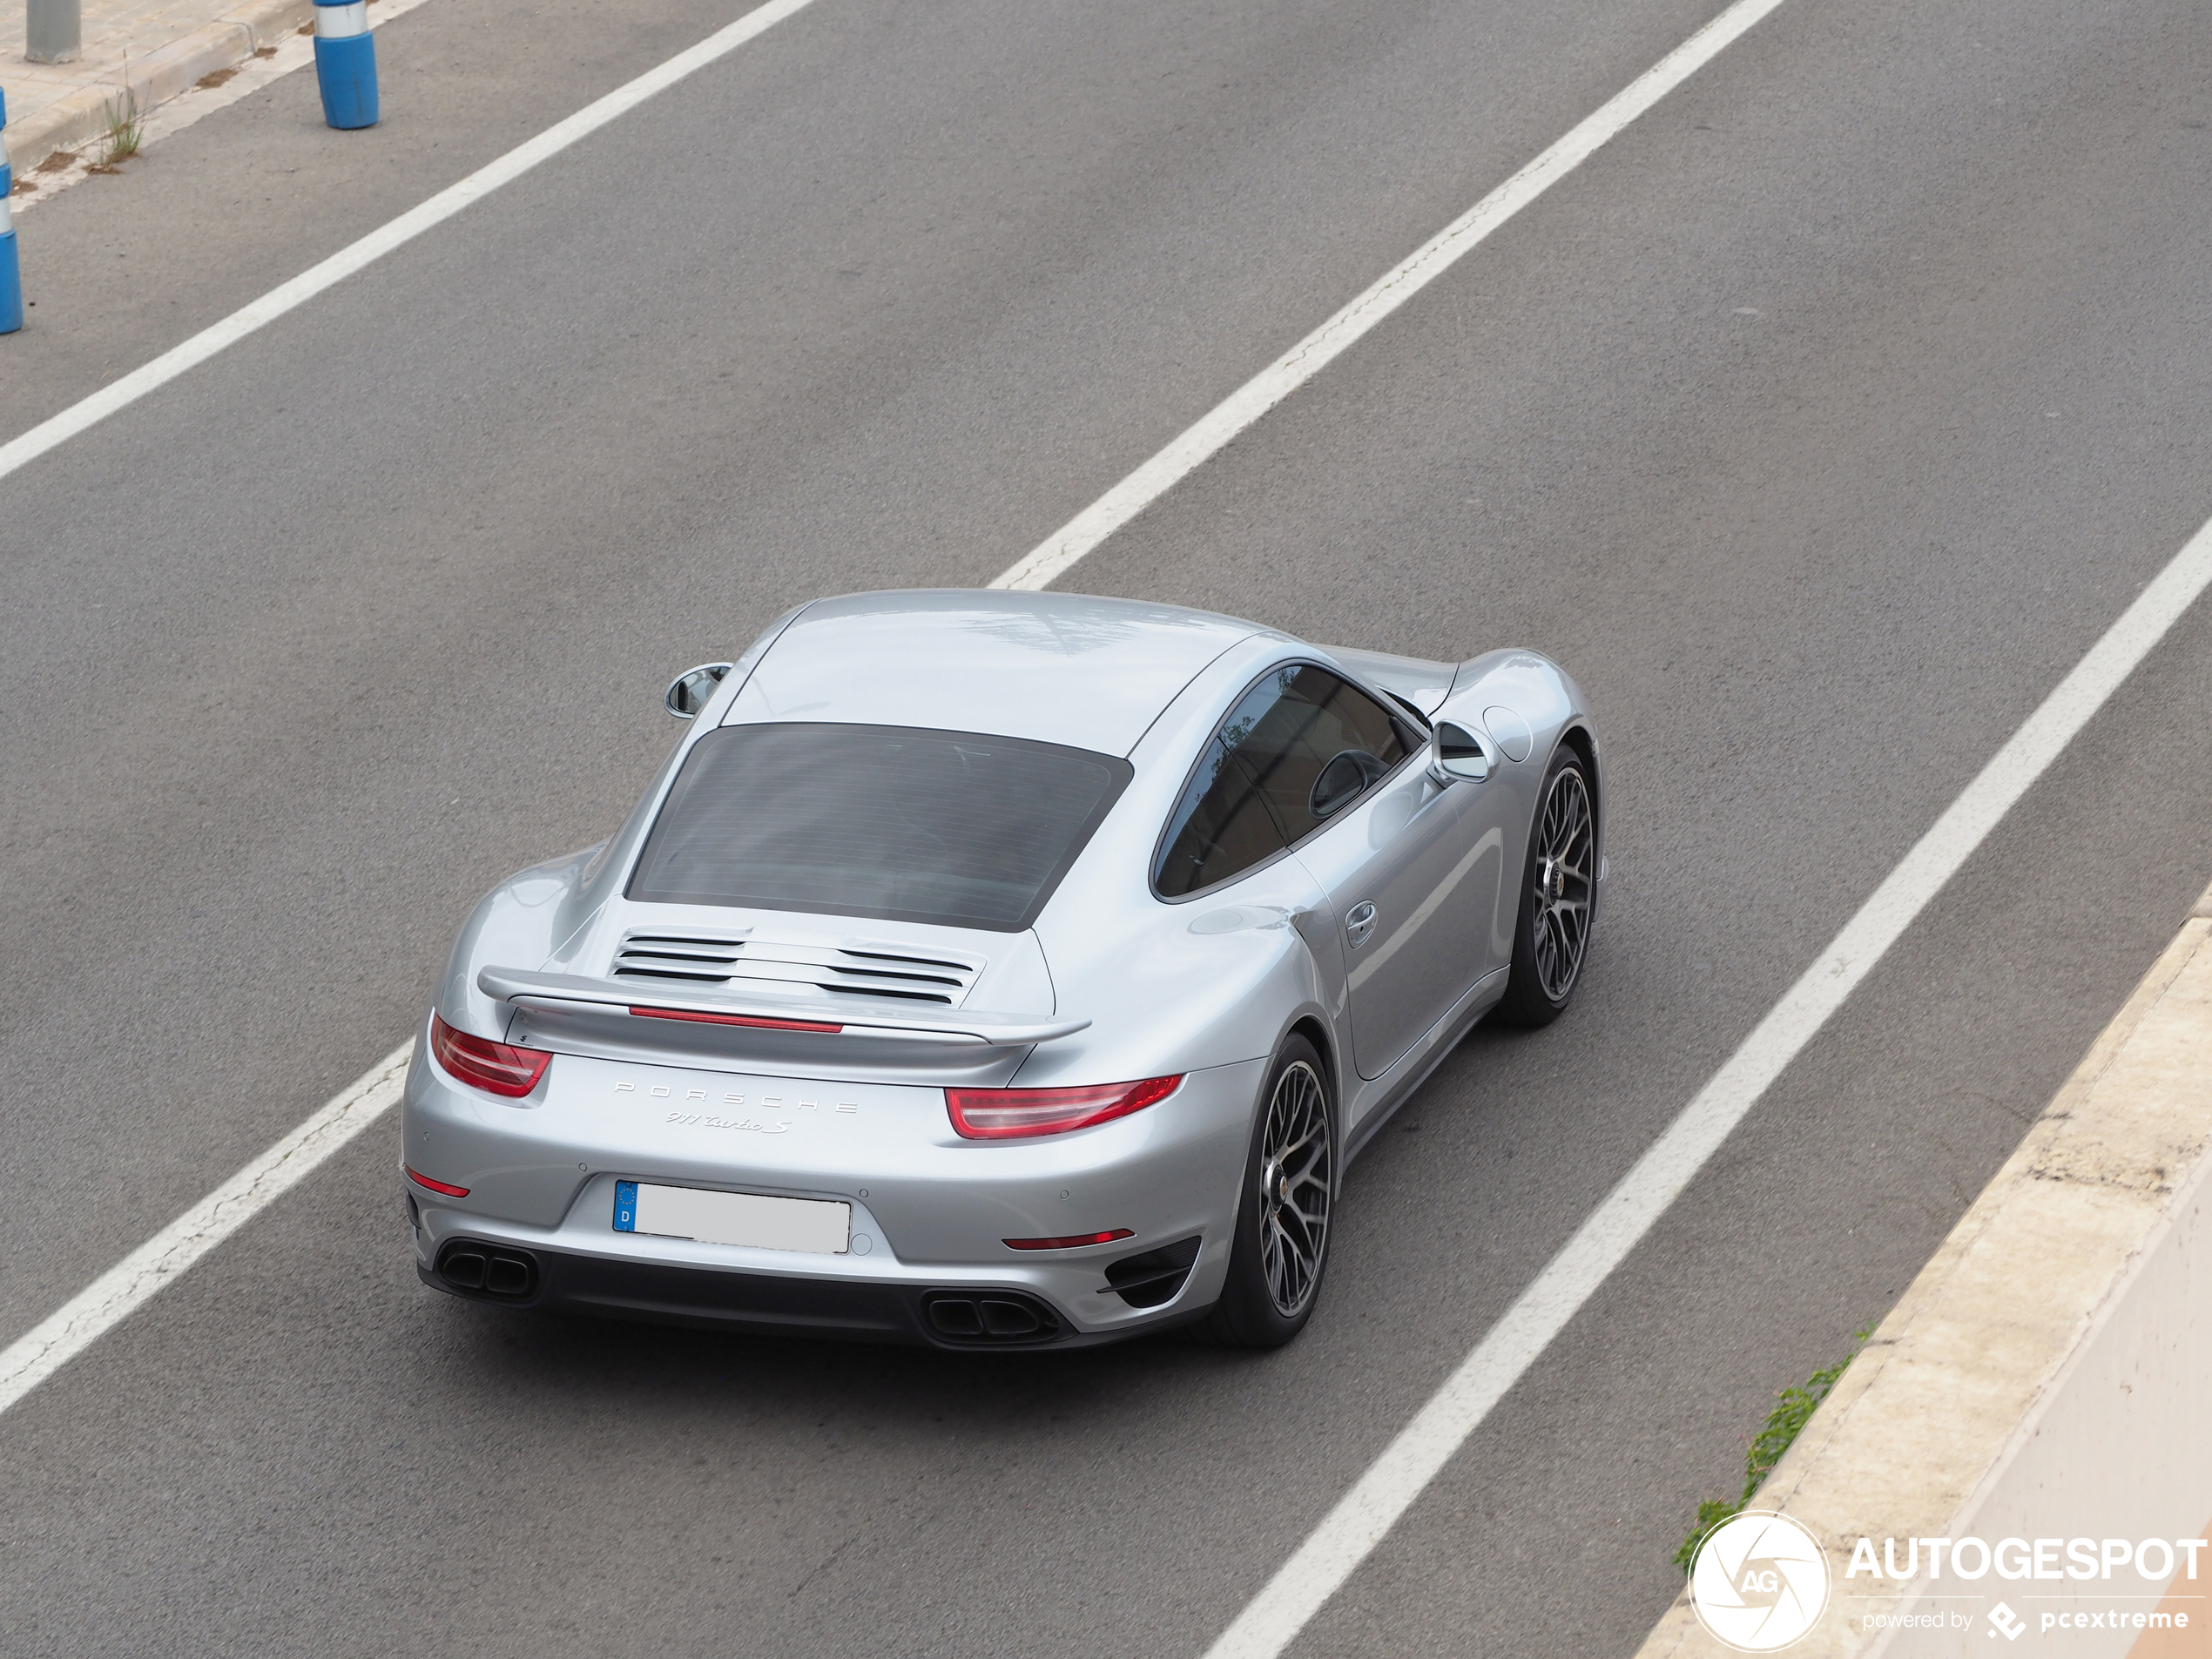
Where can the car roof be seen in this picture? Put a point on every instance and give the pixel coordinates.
(1056, 667)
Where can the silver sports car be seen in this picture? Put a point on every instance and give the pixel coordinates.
(999, 969)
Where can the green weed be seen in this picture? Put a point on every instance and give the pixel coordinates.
(125, 128)
(1797, 1408)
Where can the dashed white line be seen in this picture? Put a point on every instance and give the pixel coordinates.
(1059, 550)
(111, 1299)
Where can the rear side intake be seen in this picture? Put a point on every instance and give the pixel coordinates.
(1152, 1278)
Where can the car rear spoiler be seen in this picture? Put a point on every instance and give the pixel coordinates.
(573, 994)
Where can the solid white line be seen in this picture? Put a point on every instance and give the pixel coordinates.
(261, 313)
(111, 1299)
(1395, 1478)
(1318, 349)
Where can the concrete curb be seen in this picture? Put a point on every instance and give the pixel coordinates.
(72, 122)
(1967, 1409)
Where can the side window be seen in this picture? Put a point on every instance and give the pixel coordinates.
(1301, 746)
(1220, 826)
(1317, 747)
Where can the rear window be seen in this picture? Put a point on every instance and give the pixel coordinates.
(896, 822)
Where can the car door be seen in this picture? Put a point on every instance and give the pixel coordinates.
(1412, 869)
(1312, 762)
(1308, 761)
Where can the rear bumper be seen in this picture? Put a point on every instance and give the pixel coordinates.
(929, 1212)
(946, 1317)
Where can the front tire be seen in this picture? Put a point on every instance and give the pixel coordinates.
(1558, 893)
(1283, 1215)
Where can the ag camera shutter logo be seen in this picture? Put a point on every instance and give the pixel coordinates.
(1760, 1581)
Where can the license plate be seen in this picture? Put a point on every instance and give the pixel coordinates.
(814, 1225)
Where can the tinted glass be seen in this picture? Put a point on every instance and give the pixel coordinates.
(866, 820)
(1219, 827)
(1305, 717)
(1254, 791)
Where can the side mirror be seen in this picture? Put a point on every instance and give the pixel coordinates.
(1455, 755)
(688, 693)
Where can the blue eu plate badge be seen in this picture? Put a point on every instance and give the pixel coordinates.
(626, 1206)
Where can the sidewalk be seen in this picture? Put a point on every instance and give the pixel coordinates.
(164, 45)
(2045, 1382)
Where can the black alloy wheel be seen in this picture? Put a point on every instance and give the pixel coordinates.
(1558, 893)
(1281, 1247)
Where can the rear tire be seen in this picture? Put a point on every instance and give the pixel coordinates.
(1284, 1212)
(1558, 893)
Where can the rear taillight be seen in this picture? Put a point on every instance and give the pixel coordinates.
(499, 1067)
(1008, 1114)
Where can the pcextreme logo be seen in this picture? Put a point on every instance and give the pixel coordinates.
(1760, 1581)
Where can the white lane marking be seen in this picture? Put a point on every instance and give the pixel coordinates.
(1318, 349)
(111, 1299)
(1343, 1539)
(261, 313)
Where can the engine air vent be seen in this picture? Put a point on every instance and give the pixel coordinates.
(776, 967)
(678, 956)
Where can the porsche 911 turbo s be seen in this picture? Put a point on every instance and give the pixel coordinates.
(999, 969)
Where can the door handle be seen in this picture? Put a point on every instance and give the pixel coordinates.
(1359, 923)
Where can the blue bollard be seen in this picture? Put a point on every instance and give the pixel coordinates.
(10, 272)
(346, 62)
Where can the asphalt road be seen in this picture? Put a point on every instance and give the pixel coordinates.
(1818, 424)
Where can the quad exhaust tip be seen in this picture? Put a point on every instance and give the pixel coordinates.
(493, 1270)
(989, 1318)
